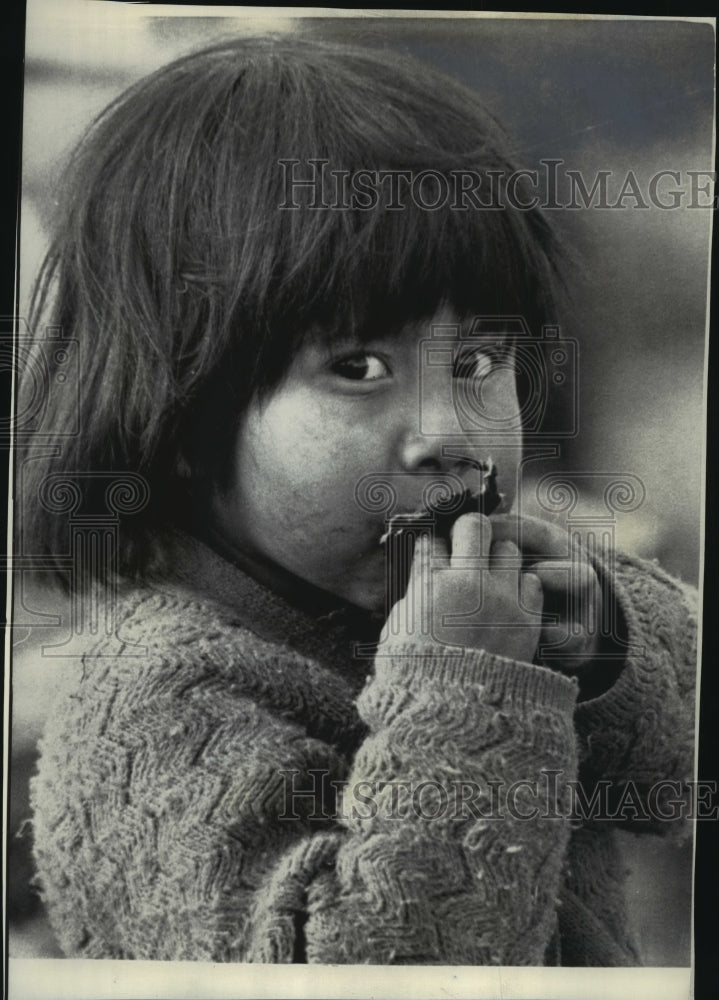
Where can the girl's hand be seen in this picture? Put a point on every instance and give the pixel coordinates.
(478, 596)
(571, 588)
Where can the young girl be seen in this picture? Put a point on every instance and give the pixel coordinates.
(274, 310)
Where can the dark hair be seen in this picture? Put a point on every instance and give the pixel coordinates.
(188, 287)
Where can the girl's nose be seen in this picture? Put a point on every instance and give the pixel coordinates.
(423, 453)
(448, 458)
(433, 438)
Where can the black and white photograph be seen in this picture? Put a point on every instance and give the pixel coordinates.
(357, 516)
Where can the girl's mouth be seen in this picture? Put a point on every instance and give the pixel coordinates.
(442, 514)
(402, 529)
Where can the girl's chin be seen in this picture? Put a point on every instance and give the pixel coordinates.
(367, 593)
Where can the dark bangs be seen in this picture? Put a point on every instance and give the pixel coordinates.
(371, 274)
(189, 280)
(326, 256)
(315, 237)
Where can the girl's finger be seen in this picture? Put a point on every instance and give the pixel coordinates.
(534, 536)
(505, 556)
(531, 592)
(562, 575)
(430, 554)
(572, 593)
(471, 538)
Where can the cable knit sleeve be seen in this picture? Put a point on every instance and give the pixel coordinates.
(162, 828)
(638, 734)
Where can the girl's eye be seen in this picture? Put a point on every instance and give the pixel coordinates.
(360, 367)
(479, 362)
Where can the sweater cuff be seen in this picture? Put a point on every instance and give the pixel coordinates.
(643, 707)
(407, 668)
(641, 639)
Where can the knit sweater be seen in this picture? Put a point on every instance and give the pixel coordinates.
(228, 780)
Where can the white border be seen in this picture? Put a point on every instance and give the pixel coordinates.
(65, 979)
(58, 979)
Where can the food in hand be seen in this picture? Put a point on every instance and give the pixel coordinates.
(402, 529)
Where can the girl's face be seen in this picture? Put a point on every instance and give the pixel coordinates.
(408, 410)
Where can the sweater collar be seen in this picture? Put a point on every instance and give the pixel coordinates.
(310, 621)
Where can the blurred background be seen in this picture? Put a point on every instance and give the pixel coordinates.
(600, 95)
